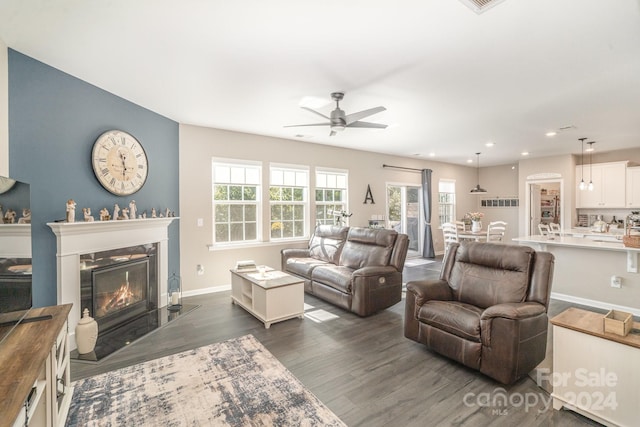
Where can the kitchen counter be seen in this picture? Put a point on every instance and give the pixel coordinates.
(592, 272)
(590, 243)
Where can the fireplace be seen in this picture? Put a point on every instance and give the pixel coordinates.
(85, 246)
(120, 292)
(119, 285)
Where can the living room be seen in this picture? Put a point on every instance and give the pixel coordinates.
(53, 116)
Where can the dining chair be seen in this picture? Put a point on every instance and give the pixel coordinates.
(554, 228)
(496, 230)
(544, 229)
(461, 226)
(450, 234)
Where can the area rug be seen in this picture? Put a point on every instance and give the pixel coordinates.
(233, 383)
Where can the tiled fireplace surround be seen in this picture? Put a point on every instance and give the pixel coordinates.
(77, 238)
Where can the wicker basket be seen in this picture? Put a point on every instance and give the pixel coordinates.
(631, 241)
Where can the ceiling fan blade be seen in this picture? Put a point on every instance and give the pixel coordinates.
(315, 112)
(370, 125)
(362, 114)
(310, 124)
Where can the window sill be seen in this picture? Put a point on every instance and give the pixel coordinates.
(234, 246)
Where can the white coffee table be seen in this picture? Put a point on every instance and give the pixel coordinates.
(271, 297)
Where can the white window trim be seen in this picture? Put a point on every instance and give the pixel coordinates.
(305, 204)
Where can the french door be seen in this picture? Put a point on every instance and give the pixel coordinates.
(404, 207)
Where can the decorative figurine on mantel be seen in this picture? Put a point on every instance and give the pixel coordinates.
(116, 212)
(10, 216)
(71, 211)
(153, 213)
(144, 214)
(124, 213)
(87, 215)
(104, 214)
(133, 210)
(26, 216)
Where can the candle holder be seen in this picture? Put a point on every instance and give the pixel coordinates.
(174, 293)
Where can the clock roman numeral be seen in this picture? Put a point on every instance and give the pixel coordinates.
(138, 176)
(112, 139)
(140, 166)
(138, 155)
(105, 171)
(112, 182)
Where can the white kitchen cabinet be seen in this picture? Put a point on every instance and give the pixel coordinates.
(633, 187)
(609, 183)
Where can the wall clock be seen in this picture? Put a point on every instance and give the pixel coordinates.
(119, 162)
(6, 184)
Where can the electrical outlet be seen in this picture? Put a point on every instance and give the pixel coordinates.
(200, 269)
(616, 282)
(200, 222)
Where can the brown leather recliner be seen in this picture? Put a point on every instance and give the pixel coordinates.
(487, 311)
(358, 269)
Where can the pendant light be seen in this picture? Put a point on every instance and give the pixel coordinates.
(590, 150)
(582, 185)
(477, 189)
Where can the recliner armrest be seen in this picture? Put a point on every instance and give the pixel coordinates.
(514, 311)
(426, 290)
(374, 271)
(287, 253)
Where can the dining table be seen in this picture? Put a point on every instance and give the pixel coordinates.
(475, 235)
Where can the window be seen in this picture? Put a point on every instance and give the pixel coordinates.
(331, 195)
(288, 202)
(447, 200)
(236, 201)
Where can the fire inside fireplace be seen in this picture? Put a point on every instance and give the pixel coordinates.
(120, 292)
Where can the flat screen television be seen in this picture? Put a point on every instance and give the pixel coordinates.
(15, 254)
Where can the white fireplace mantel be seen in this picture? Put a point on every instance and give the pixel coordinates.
(77, 238)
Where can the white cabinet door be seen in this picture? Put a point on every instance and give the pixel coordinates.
(633, 187)
(614, 177)
(609, 184)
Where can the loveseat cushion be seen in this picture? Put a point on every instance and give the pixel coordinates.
(327, 241)
(457, 318)
(367, 247)
(335, 276)
(303, 266)
(490, 274)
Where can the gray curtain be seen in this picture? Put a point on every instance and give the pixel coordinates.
(427, 248)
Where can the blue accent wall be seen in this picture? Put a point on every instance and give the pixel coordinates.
(54, 119)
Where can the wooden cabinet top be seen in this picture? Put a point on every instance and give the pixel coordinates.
(592, 323)
(23, 354)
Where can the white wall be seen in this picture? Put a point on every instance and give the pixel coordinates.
(197, 147)
(4, 109)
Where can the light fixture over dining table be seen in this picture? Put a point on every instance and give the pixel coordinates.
(477, 189)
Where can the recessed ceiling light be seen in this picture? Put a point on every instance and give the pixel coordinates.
(432, 154)
(513, 168)
(469, 160)
(525, 153)
(551, 133)
(490, 144)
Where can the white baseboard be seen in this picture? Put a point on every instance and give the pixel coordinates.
(206, 290)
(595, 303)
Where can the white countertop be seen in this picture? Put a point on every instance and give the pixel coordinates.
(587, 231)
(578, 242)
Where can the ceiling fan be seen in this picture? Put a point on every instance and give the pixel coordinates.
(339, 120)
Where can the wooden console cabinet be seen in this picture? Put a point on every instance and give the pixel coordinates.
(35, 386)
(595, 372)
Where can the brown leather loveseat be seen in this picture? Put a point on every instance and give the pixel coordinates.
(487, 311)
(359, 269)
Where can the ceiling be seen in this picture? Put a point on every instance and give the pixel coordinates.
(451, 79)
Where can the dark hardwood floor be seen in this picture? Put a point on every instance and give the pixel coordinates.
(363, 369)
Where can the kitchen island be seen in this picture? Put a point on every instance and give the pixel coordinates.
(586, 268)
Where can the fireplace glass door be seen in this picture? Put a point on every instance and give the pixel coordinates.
(120, 292)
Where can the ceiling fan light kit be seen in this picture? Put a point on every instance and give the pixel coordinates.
(477, 189)
(338, 120)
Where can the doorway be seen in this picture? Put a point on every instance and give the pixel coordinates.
(404, 204)
(544, 204)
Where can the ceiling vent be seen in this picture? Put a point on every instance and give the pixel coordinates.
(479, 6)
